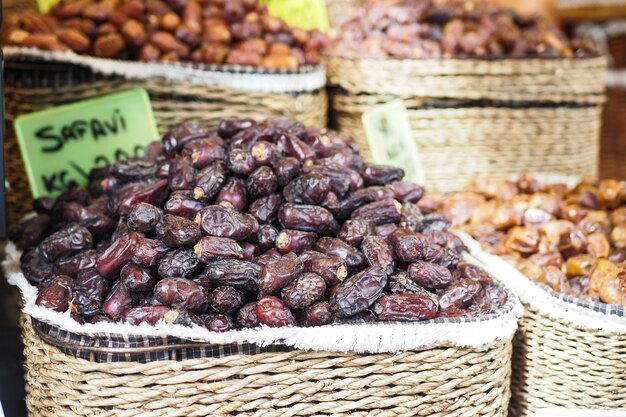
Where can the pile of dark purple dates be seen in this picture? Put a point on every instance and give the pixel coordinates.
(251, 224)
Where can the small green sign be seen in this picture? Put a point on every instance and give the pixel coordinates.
(390, 139)
(61, 145)
(45, 5)
(303, 14)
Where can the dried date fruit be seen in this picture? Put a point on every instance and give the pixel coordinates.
(353, 231)
(295, 241)
(307, 189)
(318, 314)
(306, 217)
(378, 253)
(272, 312)
(246, 316)
(380, 174)
(72, 265)
(407, 245)
(56, 293)
(429, 275)
(225, 299)
(405, 307)
(182, 203)
(459, 294)
(211, 248)
(118, 299)
(304, 290)
(219, 323)
(117, 255)
(379, 212)
(265, 237)
(354, 259)
(90, 289)
(136, 279)
(239, 274)
(148, 252)
(177, 231)
(262, 182)
(332, 268)
(225, 222)
(358, 292)
(181, 293)
(35, 267)
(181, 262)
(234, 192)
(265, 209)
(209, 181)
(144, 314)
(278, 273)
(66, 241)
(144, 217)
(286, 169)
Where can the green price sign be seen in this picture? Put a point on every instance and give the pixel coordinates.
(390, 139)
(61, 145)
(45, 5)
(303, 14)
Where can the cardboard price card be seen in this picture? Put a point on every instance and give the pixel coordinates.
(61, 145)
(391, 141)
(303, 14)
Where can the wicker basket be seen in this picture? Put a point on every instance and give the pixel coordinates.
(445, 367)
(473, 117)
(18, 6)
(566, 353)
(590, 10)
(35, 84)
(613, 143)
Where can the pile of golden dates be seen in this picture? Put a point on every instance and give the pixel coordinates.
(570, 238)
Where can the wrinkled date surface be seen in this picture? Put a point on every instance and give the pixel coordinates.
(253, 224)
(233, 32)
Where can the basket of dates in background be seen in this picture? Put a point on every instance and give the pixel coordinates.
(197, 62)
(562, 248)
(269, 274)
(487, 90)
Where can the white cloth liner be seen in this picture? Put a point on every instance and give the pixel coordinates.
(541, 300)
(236, 77)
(359, 338)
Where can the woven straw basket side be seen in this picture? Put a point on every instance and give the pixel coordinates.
(37, 86)
(557, 364)
(458, 143)
(440, 381)
(557, 80)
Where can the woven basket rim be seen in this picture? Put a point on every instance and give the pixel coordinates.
(306, 78)
(599, 57)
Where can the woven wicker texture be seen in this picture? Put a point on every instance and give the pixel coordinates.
(561, 365)
(441, 381)
(36, 86)
(18, 6)
(473, 117)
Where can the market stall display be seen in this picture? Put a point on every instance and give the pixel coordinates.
(258, 227)
(199, 61)
(566, 241)
(487, 90)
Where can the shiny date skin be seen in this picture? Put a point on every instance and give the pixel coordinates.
(279, 273)
(405, 307)
(273, 312)
(224, 222)
(66, 241)
(239, 274)
(318, 314)
(354, 259)
(358, 292)
(56, 294)
(181, 293)
(430, 275)
(378, 253)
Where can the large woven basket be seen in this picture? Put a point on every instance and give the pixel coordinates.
(445, 367)
(473, 117)
(566, 353)
(32, 84)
